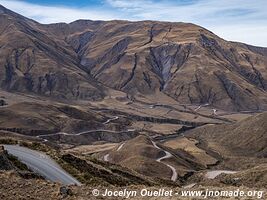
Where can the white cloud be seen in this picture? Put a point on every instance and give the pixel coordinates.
(253, 34)
(52, 14)
(202, 10)
(236, 20)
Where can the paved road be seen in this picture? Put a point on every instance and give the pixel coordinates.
(41, 164)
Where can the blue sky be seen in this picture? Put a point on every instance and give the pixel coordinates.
(236, 20)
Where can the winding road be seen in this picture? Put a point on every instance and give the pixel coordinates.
(111, 119)
(85, 132)
(41, 164)
(200, 106)
(204, 105)
(167, 155)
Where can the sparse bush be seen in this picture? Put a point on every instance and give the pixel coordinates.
(17, 163)
(35, 146)
(8, 141)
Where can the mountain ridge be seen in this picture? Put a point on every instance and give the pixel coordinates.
(182, 60)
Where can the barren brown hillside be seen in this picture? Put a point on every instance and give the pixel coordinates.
(119, 104)
(184, 61)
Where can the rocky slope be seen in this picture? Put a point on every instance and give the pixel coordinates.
(39, 189)
(184, 61)
(33, 61)
(37, 119)
(5, 164)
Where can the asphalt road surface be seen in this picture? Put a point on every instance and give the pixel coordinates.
(41, 164)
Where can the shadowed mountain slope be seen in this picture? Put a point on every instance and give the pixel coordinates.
(33, 61)
(79, 60)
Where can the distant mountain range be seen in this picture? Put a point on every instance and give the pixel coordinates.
(85, 59)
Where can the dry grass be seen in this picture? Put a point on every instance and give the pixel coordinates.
(13, 187)
(90, 149)
(189, 146)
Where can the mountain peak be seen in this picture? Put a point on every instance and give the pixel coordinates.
(6, 10)
(183, 60)
(2, 8)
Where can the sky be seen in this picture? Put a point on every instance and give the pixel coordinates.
(234, 20)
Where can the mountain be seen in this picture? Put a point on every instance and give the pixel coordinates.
(242, 147)
(184, 61)
(34, 62)
(130, 104)
(83, 59)
(247, 137)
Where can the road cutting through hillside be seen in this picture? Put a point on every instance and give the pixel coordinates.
(167, 155)
(200, 106)
(84, 132)
(41, 164)
(120, 147)
(111, 119)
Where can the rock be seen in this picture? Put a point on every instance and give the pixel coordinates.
(4, 162)
(2, 102)
(64, 191)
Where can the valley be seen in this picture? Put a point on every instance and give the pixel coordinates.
(121, 104)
